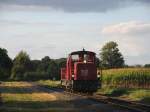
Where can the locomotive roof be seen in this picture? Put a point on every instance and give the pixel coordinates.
(82, 52)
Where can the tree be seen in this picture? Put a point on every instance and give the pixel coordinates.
(44, 64)
(21, 64)
(98, 62)
(147, 65)
(61, 62)
(34, 65)
(110, 56)
(5, 64)
(53, 70)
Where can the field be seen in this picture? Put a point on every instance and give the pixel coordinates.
(18, 96)
(127, 78)
(127, 83)
(134, 94)
(30, 97)
(130, 84)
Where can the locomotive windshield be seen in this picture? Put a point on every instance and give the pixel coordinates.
(83, 57)
(75, 57)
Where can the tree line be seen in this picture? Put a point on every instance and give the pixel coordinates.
(23, 68)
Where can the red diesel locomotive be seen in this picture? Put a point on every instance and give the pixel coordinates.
(80, 73)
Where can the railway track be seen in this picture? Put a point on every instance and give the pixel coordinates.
(132, 106)
(129, 105)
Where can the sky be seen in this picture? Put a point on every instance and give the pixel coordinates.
(55, 28)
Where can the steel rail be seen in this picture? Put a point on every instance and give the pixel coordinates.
(129, 105)
(133, 106)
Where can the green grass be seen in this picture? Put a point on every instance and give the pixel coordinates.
(25, 97)
(49, 83)
(140, 95)
(113, 91)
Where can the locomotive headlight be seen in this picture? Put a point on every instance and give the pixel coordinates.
(84, 61)
(98, 76)
(72, 75)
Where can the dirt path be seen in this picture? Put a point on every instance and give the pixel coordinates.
(28, 97)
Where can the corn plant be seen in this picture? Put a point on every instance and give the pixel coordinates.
(127, 77)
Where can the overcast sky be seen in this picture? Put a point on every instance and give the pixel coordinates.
(54, 28)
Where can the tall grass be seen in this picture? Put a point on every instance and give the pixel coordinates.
(127, 77)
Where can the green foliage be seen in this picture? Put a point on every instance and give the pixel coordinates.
(46, 68)
(110, 56)
(21, 64)
(18, 72)
(147, 65)
(113, 91)
(51, 66)
(4, 74)
(32, 76)
(44, 64)
(127, 77)
(5, 64)
(53, 70)
(142, 95)
(22, 59)
(61, 62)
(34, 65)
(98, 62)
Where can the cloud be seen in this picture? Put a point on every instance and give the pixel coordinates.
(128, 28)
(132, 37)
(71, 5)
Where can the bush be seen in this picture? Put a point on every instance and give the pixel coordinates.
(32, 76)
(21, 65)
(17, 72)
(4, 74)
(5, 64)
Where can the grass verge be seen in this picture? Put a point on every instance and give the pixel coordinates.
(25, 97)
(49, 83)
(139, 95)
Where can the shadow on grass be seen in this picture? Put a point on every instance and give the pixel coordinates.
(116, 92)
(25, 89)
(77, 103)
(145, 100)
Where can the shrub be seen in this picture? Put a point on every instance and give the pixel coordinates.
(32, 76)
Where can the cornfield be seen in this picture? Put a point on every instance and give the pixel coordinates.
(127, 77)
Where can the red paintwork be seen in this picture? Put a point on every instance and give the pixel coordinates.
(79, 68)
(85, 71)
(63, 73)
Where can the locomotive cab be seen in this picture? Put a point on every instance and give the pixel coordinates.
(80, 73)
